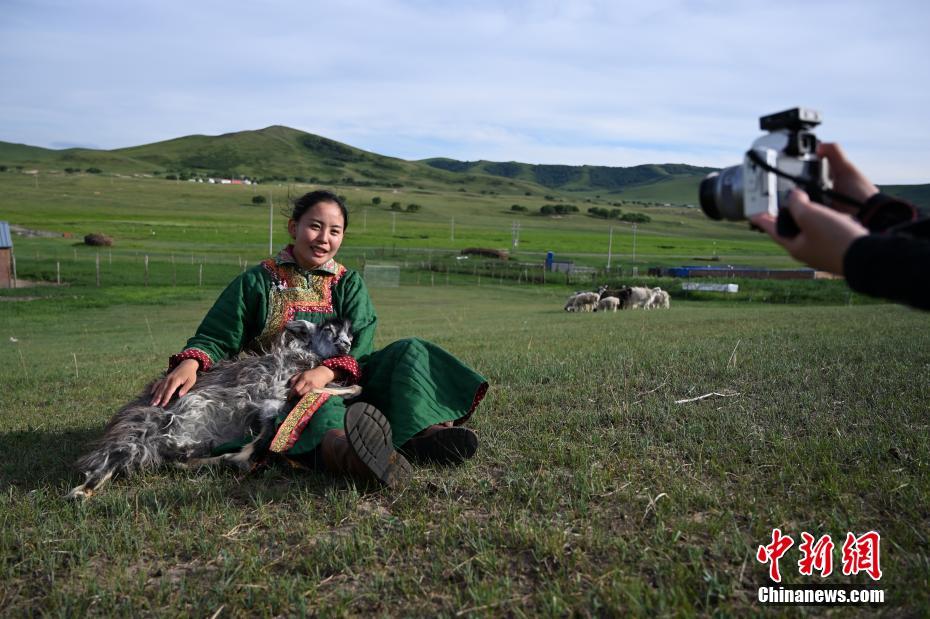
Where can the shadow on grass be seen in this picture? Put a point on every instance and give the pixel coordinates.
(39, 458)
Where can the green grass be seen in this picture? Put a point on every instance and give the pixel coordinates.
(219, 223)
(593, 492)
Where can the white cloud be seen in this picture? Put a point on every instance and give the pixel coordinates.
(541, 81)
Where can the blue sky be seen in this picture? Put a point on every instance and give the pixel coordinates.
(574, 82)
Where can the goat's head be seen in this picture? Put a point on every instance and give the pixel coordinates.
(302, 330)
(332, 338)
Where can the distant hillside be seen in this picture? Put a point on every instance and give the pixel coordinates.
(285, 154)
(576, 178)
(274, 153)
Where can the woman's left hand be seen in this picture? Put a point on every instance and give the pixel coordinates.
(306, 381)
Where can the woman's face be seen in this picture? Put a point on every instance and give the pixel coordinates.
(317, 234)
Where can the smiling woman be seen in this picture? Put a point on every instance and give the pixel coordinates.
(317, 228)
(416, 395)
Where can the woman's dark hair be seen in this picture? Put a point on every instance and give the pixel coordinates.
(307, 201)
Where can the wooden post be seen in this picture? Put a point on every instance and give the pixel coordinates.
(14, 269)
(58, 272)
(200, 275)
(97, 261)
(146, 269)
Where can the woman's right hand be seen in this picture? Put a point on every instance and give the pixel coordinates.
(180, 379)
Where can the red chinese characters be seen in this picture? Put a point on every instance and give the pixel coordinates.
(816, 556)
(859, 554)
(862, 554)
(773, 552)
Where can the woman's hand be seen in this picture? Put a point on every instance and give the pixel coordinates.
(183, 376)
(825, 233)
(306, 381)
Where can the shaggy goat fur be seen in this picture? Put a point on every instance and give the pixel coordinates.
(223, 406)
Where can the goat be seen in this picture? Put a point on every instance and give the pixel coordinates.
(635, 297)
(608, 303)
(222, 407)
(660, 299)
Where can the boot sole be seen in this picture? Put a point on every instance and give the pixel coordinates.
(447, 446)
(369, 434)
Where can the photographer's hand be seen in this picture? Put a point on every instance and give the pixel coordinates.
(825, 233)
(847, 179)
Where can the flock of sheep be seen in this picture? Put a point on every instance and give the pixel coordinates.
(605, 299)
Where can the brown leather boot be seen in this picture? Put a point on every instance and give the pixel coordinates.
(365, 449)
(439, 444)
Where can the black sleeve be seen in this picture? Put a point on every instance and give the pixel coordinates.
(894, 267)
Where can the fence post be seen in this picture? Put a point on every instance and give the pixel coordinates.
(97, 261)
(146, 269)
(200, 275)
(58, 272)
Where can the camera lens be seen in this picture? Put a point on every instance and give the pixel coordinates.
(708, 196)
(721, 194)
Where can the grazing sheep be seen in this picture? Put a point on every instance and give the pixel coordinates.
(660, 299)
(636, 297)
(570, 303)
(608, 304)
(584, 301)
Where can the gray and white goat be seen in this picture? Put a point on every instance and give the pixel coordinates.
(224, 405)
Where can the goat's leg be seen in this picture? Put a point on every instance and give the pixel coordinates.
(135, 438)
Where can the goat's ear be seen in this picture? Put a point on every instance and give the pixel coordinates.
(302, 329)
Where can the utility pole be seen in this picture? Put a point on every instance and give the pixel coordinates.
(271, 223)
(610, 245)
(515, 235)
(634, 242)
(393, 222)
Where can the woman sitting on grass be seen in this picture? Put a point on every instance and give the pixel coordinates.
(415, 394)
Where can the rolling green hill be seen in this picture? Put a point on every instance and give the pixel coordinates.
(282, 153)
(578, 178)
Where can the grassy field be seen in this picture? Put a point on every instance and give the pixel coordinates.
(159, 217)
(593, 492)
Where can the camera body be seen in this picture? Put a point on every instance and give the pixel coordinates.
(784, 158)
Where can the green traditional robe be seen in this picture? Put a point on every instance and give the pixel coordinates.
(413, 382)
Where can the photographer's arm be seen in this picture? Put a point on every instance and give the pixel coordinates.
(890, 266)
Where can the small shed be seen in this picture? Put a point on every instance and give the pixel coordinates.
(6, 256)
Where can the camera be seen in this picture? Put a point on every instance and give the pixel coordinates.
(784, 158)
